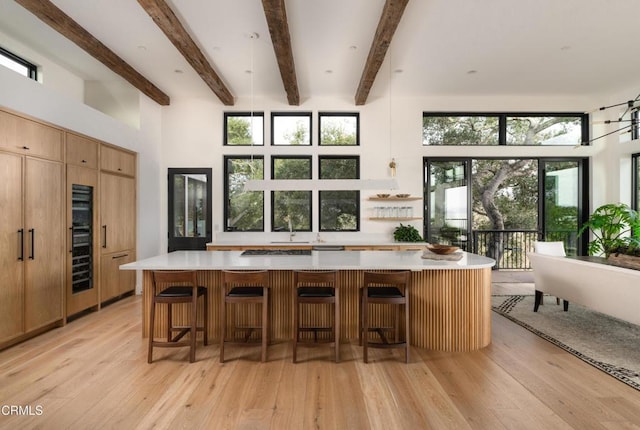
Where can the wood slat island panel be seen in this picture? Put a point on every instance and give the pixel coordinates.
(450, 308)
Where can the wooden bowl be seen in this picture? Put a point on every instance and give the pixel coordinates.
(441, 249)
(383, 196)
(402, 196)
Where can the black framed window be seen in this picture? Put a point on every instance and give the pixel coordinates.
(243, 128)
(18, 64)
(243, 210)
(291, 210)
(338, 128)
(291, 128)
(515, 129)
(339, 210)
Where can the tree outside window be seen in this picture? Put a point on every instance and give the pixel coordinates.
(339, 129)
(291, 129)
(339, 210)
(291, 207)
(244, 128)
(244, 210)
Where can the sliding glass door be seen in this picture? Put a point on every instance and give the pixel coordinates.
(447, 214)
(562, 202)
(499, 207)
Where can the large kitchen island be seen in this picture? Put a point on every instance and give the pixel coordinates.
(449, 300)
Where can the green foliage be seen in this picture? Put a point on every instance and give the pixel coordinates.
(406, 233)
(469, 130)
(238, 131)
(610, 225)
(339, 210)
(336, 134)
(299, 136)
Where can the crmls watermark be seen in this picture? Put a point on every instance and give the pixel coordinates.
(6, 410)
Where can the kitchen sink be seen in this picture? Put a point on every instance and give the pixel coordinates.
(277, 252)
(289, 241)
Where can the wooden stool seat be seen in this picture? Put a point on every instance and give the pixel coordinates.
(385, 289)
(316, 288)
(245, 287)
(164, 291)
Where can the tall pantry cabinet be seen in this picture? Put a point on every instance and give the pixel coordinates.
(117, 214)
(31, 234)
(67, 222)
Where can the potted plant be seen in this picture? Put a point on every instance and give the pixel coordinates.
(616, 230)
(406, 233)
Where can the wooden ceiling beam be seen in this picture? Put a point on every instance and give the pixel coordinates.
(170, 25)
(55, 18)
(389, 20)
(276, 14)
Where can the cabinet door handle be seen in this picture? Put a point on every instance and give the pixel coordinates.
(21, 233)
(104, 236)
(119, 256)
(71, 241)
(32, 255)
(26, 148)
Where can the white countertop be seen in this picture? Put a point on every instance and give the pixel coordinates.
(318, 260)
(284, 243)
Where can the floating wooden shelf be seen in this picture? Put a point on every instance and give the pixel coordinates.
(394, 198)
(375, 218)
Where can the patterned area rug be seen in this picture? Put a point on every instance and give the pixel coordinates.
(607, 343)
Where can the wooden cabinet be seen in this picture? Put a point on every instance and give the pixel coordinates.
(11, 247)
(27, 137)
(81, 151)
(32, 244)
(113, 281)
(117, 161)
(37, 225)
(117, 212)
(83, 239)
(118, 221)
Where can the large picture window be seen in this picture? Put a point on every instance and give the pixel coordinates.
(338, 129)
(528, 129)
(291, 128)
(243, 128)
(243, 210)
(291, 210)
(339, 210)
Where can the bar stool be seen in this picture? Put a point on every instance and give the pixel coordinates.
(316, 288)
(245, 287)
(384, 288)
(166, 291)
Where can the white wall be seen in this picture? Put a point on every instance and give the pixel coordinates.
(193, 134)
(50, 74)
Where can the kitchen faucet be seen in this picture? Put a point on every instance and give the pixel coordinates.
(291, 232)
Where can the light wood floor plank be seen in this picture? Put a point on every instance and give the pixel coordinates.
(93, 373)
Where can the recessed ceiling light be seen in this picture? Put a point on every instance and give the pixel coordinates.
(142, 48)
(353, 47)
(398, 71)
(178, 71)
(472, 72)
(253, 35)
(328, 71)
(248, 72)
(565, 48)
